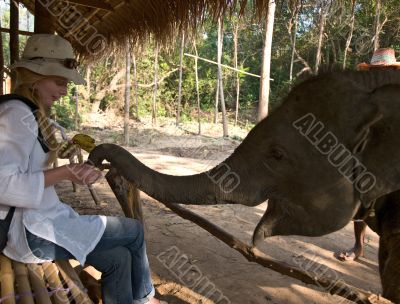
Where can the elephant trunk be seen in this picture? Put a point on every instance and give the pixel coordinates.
(219, 185)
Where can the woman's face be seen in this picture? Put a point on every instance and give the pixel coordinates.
(51, 89)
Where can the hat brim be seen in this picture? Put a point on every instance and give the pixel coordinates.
(50, 69)
(366, 66)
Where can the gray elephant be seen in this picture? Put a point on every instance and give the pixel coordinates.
(329, 152)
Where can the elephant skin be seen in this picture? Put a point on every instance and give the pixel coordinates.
(331, 147)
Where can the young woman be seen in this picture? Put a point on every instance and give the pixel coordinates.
(43, 228)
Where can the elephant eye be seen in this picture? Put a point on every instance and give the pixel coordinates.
(277, 153)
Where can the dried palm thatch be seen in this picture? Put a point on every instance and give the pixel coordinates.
(95, 31)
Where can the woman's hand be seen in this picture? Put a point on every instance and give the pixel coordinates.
(67, 150)
(83, 174)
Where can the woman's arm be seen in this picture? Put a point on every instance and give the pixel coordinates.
(19, 187)
(82, 174)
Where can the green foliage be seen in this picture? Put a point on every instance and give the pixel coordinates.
(107, 76)
(63, 111)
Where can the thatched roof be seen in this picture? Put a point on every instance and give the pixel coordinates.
(93, 30)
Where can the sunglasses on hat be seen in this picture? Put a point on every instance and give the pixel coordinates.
(69, 63)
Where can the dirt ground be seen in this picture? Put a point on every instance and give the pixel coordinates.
(207, 270)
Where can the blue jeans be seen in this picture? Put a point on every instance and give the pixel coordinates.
(120, 256)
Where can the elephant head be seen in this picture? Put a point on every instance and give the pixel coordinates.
(331, 146)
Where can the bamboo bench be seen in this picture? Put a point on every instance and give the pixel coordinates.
(47, 283)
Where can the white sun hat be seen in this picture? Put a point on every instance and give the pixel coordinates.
(50, 55)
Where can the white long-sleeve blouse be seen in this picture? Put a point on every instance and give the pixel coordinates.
(38, 209)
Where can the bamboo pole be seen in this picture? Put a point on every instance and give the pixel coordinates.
(36, 276)
(74, 283)
(59, 294)
(93, 4)
(22, 283)
(7, 281)
(224, 65)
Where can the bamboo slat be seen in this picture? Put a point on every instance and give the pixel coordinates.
(74, 283)
(59, 293)
(7, 281)
(39, 288)
(47, 283)
(23, 287)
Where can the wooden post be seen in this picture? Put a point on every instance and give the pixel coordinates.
(44, 21)
(14, 38)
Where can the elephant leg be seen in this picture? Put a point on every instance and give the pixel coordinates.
(382, 256)
(388, 216)
(389, 267)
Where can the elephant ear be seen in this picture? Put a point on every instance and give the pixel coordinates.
(374, 139)
(381, 154)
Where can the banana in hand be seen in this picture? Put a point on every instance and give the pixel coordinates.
(85, 142)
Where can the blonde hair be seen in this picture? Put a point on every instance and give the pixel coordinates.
(25, 87)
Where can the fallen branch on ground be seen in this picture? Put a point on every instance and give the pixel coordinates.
(252, 254)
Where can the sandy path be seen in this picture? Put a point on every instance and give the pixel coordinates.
(208, 269)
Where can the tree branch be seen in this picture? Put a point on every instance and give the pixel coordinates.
(252, 254)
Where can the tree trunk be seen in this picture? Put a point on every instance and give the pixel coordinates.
(197, 85)
(135, 86)
(377, 24)
(77, 126)
(178, 108)
(216, 103)
(14, 37)
(220, 81)
(1, 64)
(100, 94)
(293, 35)
(127, 93)
(348, 41)
(266, 63)
(154, 107)
(88, 71)
(235, 59)
(322, 18)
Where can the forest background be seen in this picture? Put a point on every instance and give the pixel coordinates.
(307, 37)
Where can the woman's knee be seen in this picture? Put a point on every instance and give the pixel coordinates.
(125, 227)
(135, 228)
(117, 259)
